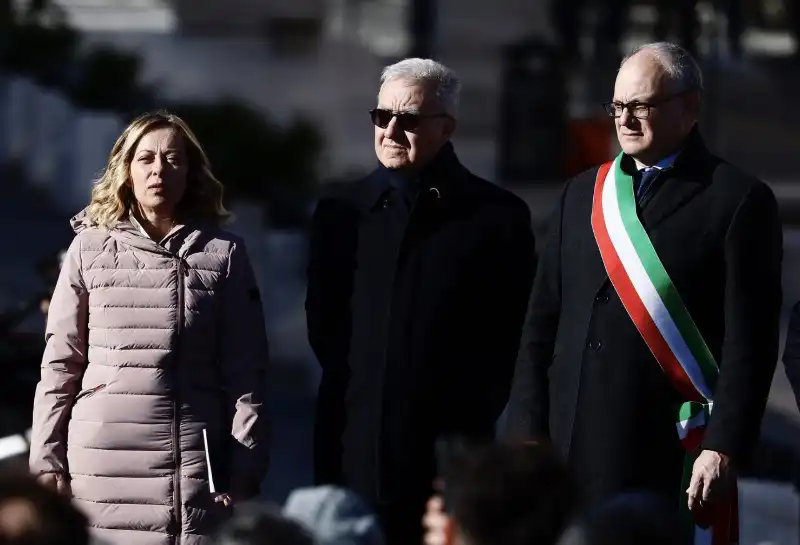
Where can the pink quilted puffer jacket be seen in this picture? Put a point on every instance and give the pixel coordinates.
(147, 344)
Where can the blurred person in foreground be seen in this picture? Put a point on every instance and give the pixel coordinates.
(262, 524)
(417, 282)
(323, 515)
(503, 494)
(31, 514)
(155, 333)
(335, 516)
(656, 300)
(629, 519)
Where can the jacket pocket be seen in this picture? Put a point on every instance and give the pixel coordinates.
(89, 392)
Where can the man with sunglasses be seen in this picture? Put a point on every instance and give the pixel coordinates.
(417, 284)
(652, 330)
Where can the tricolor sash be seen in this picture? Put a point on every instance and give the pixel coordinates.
(657, 311)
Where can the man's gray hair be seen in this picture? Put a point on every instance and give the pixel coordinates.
(448, 86)
(679, 64)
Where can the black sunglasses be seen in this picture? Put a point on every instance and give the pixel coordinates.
(406, 121)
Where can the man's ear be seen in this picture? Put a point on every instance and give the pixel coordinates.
(692, 103)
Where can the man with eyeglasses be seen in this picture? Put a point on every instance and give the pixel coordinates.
(652, 330)
(418, 280)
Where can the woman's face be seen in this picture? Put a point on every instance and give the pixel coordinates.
(158, 171)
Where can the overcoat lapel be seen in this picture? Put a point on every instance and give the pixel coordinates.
(675, 191)
(595, 270)
(677, 186)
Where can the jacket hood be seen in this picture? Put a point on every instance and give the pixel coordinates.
(127, 233)
(80, 221)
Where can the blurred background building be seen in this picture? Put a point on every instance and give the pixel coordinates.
(278, 91)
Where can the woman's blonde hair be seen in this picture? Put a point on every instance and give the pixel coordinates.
(112, 194)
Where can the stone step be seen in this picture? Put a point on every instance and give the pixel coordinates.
(115, 6)
(499, 21)
(122, 15)
(382, 27)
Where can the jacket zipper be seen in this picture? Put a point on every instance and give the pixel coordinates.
(90, 392)
(176, 417)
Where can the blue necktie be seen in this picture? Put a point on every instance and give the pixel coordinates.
(646, 178)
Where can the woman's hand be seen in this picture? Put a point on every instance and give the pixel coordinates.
(56, 481)
(225, 499)
(437, 525)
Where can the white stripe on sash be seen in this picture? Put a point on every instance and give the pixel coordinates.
(685, 426)
(644, 286)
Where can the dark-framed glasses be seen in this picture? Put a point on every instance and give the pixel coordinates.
(639, 109)
(406, 121)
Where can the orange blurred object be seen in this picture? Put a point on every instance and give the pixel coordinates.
(589, 143)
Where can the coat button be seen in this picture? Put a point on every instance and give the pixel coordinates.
(385, 203)
(595, 345)
(602, 298)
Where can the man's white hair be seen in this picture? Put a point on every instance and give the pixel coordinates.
(678, 63)
(447, 84)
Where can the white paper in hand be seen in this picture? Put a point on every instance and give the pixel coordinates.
(208, 464)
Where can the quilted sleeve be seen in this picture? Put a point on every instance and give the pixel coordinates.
(243, 365)
(63, 363)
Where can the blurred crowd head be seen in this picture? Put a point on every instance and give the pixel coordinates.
(324, 515)
(509, 494)
(261, 524)
(31, 514)
(630, 519)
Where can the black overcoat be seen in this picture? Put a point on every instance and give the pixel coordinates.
(414, 312)
(585, 377)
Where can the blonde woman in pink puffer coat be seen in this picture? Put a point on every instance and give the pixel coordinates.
(155, 333)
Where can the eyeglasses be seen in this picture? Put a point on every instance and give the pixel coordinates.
(639, 110)
(406, 121)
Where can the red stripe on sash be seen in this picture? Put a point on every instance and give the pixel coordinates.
(693, 439)
(631, 300)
